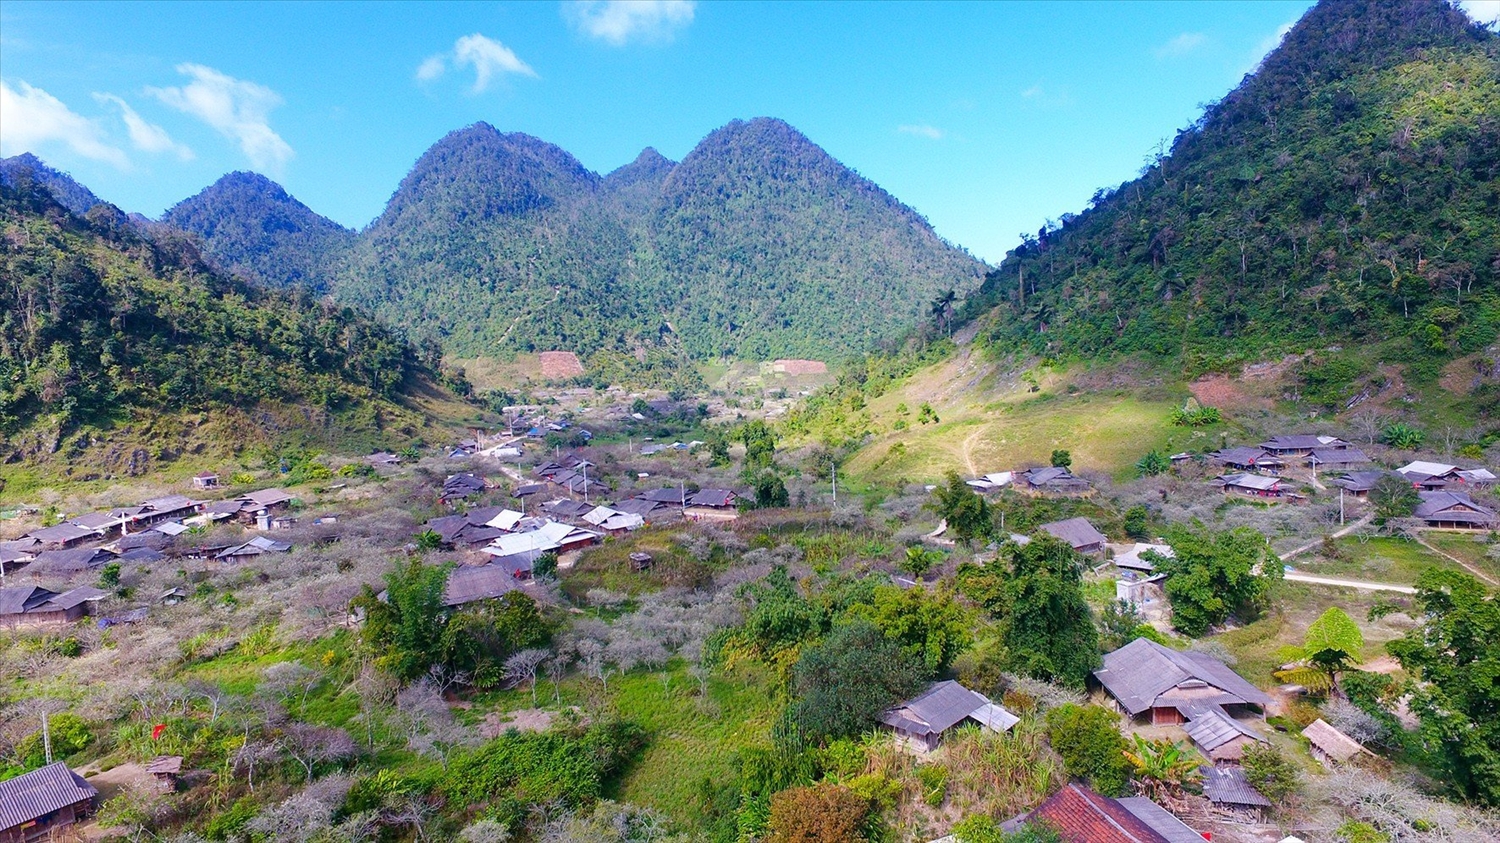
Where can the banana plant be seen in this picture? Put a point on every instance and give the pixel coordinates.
(1163, 768)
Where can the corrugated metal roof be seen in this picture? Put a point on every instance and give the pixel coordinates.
(1228, 786)
(1160, 819)
(1077, 532)
(944, 705)
(40, 792)
(1139, 672)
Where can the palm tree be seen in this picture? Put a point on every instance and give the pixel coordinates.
(942, 309)
(1331, 645)
(1164, 767)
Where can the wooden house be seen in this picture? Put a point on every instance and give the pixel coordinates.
(1231, 795)
(1076, 814)
(1078, 533)
(1451, 511)
(42, 804)
(1250, 486)
(31, 604)
(923, 720)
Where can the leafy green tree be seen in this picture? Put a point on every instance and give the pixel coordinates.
(1138, 522)
(406, 628)
(927, 415)
(979, 828)
(1271, 772)
(1215, 575)
(1393, 497)
(70, 735)
(770, 491)
(545, 566)
(919, 560)
(1458, 699)
(1331, 645)
(843, 682)
(1118, 625)
(478, 639)
(1164, 767)
(1152, 464)
(429, 540)
(929, 625)
(1088, 739)
(1048, 628)
(760, 444)
(1403, 437)
(109, 575)
(1062, 459)
(967, 514)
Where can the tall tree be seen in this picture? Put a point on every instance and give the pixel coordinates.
(1049, 629)
(845, 681)
(1214, 575)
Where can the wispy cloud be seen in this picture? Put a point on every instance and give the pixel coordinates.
(922, 130)
(1047, 95)
(619, 22)
(1486, 12)
(1267, 44)
(1183, 44)
(489, 58)
(35, 119)
(146, 136)
(237, 109)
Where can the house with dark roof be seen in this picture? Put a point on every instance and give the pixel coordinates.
(1078, 533)
(66, 563)
(566, 508)
(1051, 480)
(1301, 444)
(463, 530)
(1247, 458)
(677, 495)
(646, 509)
(712, 504)
(1250, 486)
(41, 804)
(31, 604)
(472, 583)
(460, 486)
(1231, 794)
(1336, 459)
(1161, 686)
(1359, 483)
(923, 720)
(1079, 815)
(254, 547)
(64, 535)
(1449, 511)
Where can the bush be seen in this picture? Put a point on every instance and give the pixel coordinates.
(70, 734)
(821, 813)
(1271, 773)
(1088, 739)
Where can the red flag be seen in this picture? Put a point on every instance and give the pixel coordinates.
(156, 732)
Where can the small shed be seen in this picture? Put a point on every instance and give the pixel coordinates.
(1330, 746)
(923, 720)
(1231, 794)
(640, 561)
(165, 769)
(205, 480)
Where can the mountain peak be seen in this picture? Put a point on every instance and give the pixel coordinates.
(63, 187)
(649, 166)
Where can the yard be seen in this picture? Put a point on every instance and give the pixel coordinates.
(1380, 559)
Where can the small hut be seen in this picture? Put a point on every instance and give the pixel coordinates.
(1330, 746)
(640, 561)
(165, 769)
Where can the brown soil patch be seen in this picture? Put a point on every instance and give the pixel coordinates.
(525, 720)
(1226, 393)
(1460, 376)
(560, 365)
(800, 367)
(119, 779)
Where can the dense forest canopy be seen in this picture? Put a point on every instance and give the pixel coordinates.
(97, 318)
(759, 244)
(250, 225)
(1348, 190)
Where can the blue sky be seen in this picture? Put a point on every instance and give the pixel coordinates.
(987, 118)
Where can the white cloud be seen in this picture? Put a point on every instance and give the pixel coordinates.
(35, 118)
(237, 109)
(1269, 43)
(488, 57)
(921, 130)
(147, 137)
(1183, 44)
(621, 21)
(1486, 12)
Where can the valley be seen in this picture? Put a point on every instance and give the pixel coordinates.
(721, 500)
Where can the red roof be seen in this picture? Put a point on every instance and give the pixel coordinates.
(1082, 816)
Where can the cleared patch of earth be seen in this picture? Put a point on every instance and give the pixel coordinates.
(560, 365)
(526, 720)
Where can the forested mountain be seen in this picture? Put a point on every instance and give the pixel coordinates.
(97, 320)
(69, 193)
(758, 244)
(1346, 192)
(250, 225)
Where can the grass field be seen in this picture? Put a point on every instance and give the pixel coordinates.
(1472, 549)
(988, 422)
(1377, 558)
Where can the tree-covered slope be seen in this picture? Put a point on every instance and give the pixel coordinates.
(1346, 192)
(28, 168)
(758, 244)
(97, 321)
(251, 226)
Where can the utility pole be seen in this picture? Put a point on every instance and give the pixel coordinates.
(835, 484)
(585, 481)
(46, 737)
(1341, 506)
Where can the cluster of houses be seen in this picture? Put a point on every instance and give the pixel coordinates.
(1444, 492)
(1048, 481)
(139, 534)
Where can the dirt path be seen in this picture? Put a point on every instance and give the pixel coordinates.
(1361, 585)
(1451, 558)
(1337, 534)
(969, 451)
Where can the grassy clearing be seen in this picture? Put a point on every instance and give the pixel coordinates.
(1377, 558)
(1473, 549)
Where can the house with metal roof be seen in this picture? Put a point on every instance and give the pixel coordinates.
(254, 547)
(1078, 533)
(64, 535)
(1158, 685)
(923, 720)
(1079, 815)
(1301, 444)
(1250, 485)
(1247, 458)
(1359, 483)
(31, 604)
(1450, 511)
(472, 583)
(1137, 558)
(1052, 480)
(40, 804)
(1231, 794)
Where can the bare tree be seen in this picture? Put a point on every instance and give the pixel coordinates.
(1369, 422)
(210, 691)
(522, 666)
(557, 668)
(409, 810)
(286, 679)
(252, 753)
(311, 745)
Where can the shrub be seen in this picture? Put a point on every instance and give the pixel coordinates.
(821, 813)
(1088, 739)
(1271, 773)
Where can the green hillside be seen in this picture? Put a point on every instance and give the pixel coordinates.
(1347, 192)
(30, 169)
(250, 225)
(101, 326)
